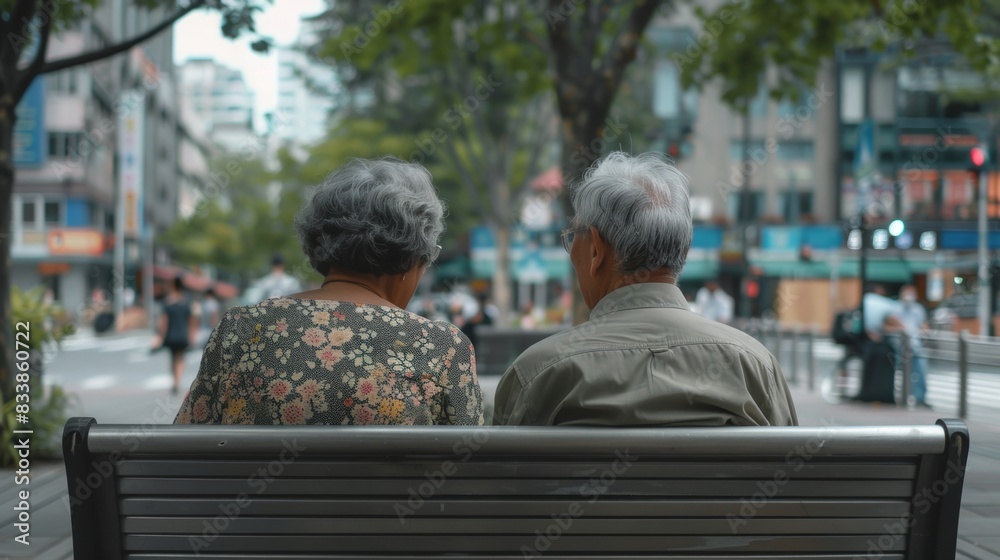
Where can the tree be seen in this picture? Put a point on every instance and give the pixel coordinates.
(360, 136)
(240, 235)
(460, 75)
(592, 44)
(794, 38)
(26, 26)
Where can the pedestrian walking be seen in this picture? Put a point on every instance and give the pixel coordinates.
(177, 329)
(913, 316)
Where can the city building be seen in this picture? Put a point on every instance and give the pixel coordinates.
(307, 92)
(195, 152)
(68, 174)
(918, 120)
(221, 100)
(768, 173)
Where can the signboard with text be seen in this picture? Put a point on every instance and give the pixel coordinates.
(30, 145)
(130, 152)
(84, 241)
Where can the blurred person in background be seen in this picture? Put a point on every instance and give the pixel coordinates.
(528, 319)
(479, 319)
(209, 313)
(913, 317)
(277, 283)
(879, 353)
(347, 352)
(177, 329)
(714, 303)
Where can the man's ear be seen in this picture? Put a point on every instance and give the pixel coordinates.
(598, 251)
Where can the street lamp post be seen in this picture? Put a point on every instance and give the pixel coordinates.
(980, 161)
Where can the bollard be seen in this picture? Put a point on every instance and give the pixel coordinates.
(795, 355)
(811, 357)
(907, 352)
(963, 374)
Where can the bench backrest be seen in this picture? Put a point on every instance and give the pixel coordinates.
(161, 492)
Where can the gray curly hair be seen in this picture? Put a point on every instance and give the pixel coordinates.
(372, 216)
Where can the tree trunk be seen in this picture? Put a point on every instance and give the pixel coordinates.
(501, 274)
(6, 201)
(500, 194)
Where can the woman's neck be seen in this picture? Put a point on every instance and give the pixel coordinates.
(338, 288)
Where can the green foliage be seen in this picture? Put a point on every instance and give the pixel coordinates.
(49, 322)
(47, 418)
(368, 137)
(49, 325)
(250, 220)
(457, 83)
(743, 38)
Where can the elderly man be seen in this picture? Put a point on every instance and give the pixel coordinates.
(643, 359)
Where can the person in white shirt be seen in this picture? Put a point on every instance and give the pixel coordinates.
(713, 303)
(914, 318)
(277, 284)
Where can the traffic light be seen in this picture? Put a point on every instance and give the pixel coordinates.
(978, 158)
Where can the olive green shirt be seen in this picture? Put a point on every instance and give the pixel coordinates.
(645, 359)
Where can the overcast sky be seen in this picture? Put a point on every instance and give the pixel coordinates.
(197, 35)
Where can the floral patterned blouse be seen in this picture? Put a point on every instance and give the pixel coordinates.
(298, 361)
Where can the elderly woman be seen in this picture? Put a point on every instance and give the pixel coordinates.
(347, 352)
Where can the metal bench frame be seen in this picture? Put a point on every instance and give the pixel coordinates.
(139, 492)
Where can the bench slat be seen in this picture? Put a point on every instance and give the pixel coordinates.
(518, 556)
(306, 469)
(516, 441)
(512, 543)
(634, 508)
(309, 526)
(512, 487)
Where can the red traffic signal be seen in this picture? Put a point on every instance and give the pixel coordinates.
(978, 156)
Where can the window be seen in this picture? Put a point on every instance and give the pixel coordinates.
(755, 211)
(758, 105)
(795, 151)
(53, 214)
(788, 108)
(736, 149)
(852, 94)
(64, 144)
(63, 81)
(795, 204)
(28, 217)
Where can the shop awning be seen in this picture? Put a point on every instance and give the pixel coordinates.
(883, 270)
(700, 270)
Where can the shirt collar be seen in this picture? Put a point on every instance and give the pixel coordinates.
(641, 295)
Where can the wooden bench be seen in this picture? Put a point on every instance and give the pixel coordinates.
(158, 492)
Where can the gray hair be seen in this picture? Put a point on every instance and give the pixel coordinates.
(639, 205)
(372, 216)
